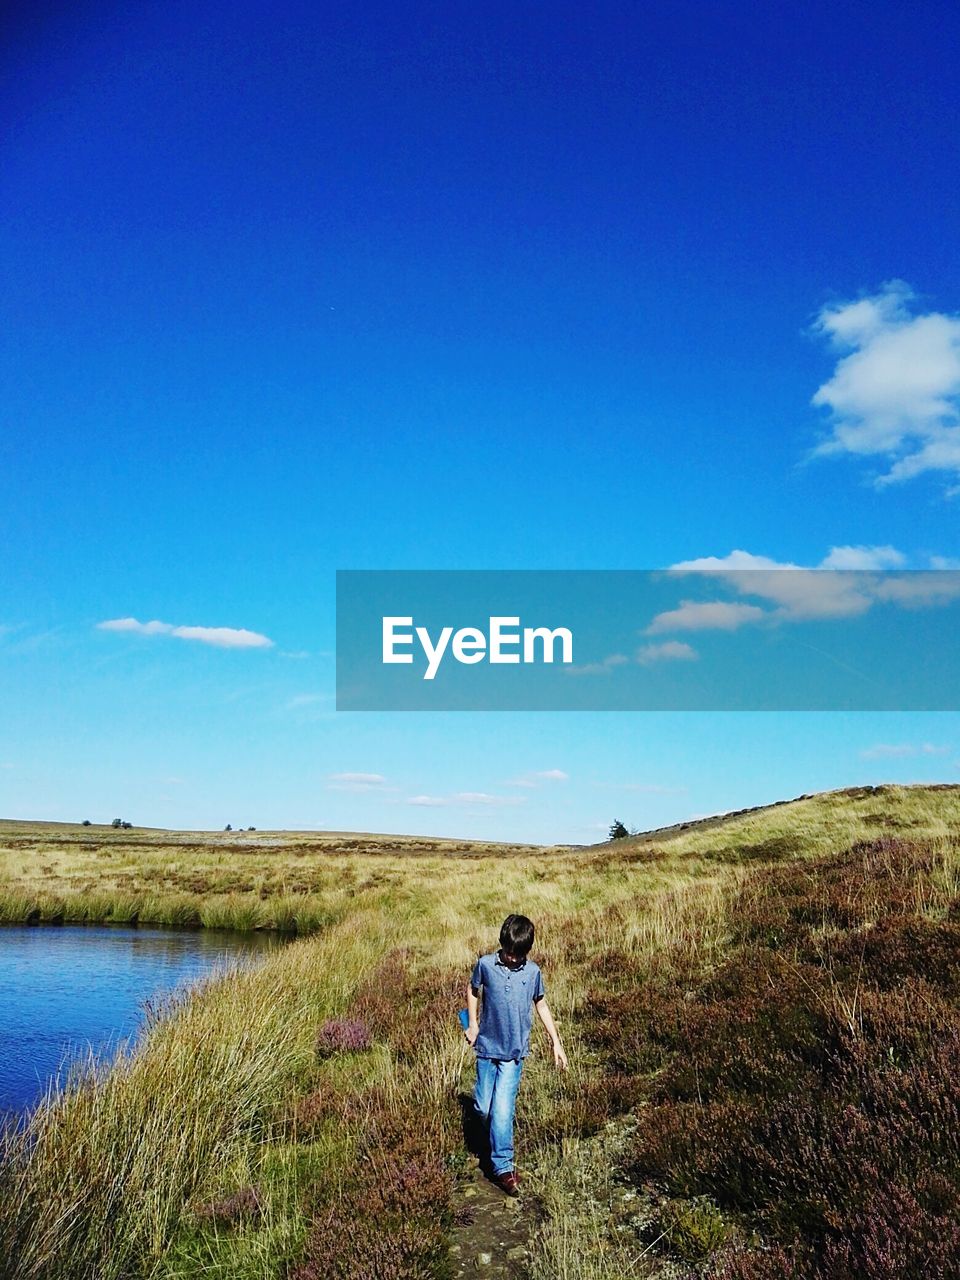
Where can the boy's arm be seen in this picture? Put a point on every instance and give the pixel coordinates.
(546, 1017)
(473, 1004)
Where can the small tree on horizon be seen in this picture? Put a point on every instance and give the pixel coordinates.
(618, 831)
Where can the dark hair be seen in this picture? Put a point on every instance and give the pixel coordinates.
(516, 935)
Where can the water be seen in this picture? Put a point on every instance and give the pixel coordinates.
(66, 988)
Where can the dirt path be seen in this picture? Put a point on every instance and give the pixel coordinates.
(494, 1230)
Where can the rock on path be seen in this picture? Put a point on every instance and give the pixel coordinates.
(493, 1237)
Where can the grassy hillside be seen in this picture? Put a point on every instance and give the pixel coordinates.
(760, 1011)
(288, 880)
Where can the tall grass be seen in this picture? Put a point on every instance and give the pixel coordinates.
(103, 1177)
(99, 1181)
(226, 1097)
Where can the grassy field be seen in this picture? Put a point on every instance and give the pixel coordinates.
(288, 880)
(760, 1012)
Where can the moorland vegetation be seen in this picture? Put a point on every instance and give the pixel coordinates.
(762, 1014)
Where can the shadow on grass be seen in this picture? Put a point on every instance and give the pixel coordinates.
(476, 1135)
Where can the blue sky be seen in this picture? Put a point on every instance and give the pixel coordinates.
(292, 288)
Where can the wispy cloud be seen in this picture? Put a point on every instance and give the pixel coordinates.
(895, 390)
(487, 800)
(537, 777)
(218, 637)
(466, 800)
(605, 667)
(828, 590)
(356, 782)
(646, 655)
(694, 615)
(902, 750)
(864, 558)
(668, 651)
(307, 700)
(798, 591)
(849, 580)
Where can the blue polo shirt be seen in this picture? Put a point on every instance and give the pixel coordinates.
(506, 1009)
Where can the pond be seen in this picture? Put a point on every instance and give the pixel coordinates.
(65, 988)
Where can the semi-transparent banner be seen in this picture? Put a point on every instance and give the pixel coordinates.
(648, 640)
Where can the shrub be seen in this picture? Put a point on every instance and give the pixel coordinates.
(390, 1219)
(809, 1083)
(342, 1035)
(694, 1229)
(247, 1203)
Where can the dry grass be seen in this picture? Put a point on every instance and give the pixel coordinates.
(103, 1184)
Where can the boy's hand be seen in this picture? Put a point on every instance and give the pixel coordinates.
(559, 1057)
(472, 1031)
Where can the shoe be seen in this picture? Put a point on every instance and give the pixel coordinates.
(508, 1182)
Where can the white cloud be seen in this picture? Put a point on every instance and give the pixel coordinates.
(489, 801)
(735, 560)
(668, 651)
(695, 615)
(224, 637)
(603, 668)
(902, 750)
(847, 582)
(917, 590)
(863, 558)
(536, 777)
(895, 392)
(307, 700)
(356, 782)
(466, 799)
(218, 637)
(140, 628)
(800, 592)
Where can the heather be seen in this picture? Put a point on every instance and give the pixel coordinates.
(805, 1086)
(760, 1012)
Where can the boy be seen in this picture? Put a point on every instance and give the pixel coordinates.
(512, 987)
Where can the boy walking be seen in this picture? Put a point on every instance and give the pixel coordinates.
(511, 987)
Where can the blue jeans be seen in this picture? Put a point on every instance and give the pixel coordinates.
(494, 1097)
